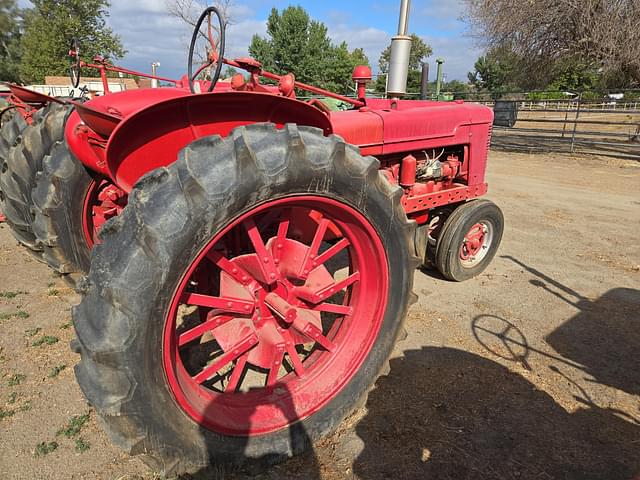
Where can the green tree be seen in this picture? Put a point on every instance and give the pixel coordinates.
(300, 45)
(11, 18)
(501, 70)
(496, 71)
(229, 72)
(574, 76)
(551, 37)
(49, 29)
(420, 51)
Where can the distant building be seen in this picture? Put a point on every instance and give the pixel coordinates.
(60, 86)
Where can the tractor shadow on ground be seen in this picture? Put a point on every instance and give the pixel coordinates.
(296, 441)
(602, 339)
(444, 413)
(432, 272)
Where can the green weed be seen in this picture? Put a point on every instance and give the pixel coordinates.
(82, 445)
(4, 413)
(56, 370)
(45, 448)
(8, 294)
(74, 426)
(48, 339)
(10, 315)
(32, 332)
(16, 379)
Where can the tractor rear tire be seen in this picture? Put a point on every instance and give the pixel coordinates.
(147, 255)
(12, 126)
(452, 258)
(7, 139)
(23, 161)
(58, 199)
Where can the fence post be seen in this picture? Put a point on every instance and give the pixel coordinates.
(575, 125)
(566, 115)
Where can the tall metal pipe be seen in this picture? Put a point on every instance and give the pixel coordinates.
(403, 22)
(439, 61)
(400, 53)
(154, 67)
(424, 81)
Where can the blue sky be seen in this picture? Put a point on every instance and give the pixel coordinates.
(150, 34)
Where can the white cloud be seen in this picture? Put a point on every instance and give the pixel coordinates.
(150, 34)
(441, 18)
(371, 40)
(458, 53)
(439, 10)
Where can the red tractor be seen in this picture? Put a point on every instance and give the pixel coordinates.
(32, 123)
(250, 256)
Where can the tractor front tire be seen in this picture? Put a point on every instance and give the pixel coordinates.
(469, 240)
(206, 218)
(22, 162)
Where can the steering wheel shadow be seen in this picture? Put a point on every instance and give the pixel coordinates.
(602, 339)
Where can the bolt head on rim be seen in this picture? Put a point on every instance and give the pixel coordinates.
(275, 315)
(476, 244)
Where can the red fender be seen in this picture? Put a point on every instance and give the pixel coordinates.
(152, 137)
(31, 96)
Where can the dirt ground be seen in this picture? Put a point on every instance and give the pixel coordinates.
(530, 371)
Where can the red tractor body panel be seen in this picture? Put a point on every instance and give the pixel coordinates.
(125, 135)
(151, 137)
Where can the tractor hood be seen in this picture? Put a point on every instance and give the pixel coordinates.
(392, 126)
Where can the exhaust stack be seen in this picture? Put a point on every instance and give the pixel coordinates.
(399, 58)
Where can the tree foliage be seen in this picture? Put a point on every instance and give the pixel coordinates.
(495, 71)
(296, 43)
(552, 37)
(11, 18)
(419, 53)
(52, 24)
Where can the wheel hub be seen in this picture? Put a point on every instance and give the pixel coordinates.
(280, 318)
(475, 244)
(103, 201)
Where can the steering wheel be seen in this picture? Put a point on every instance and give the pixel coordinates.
(213, 51)
(74, 66)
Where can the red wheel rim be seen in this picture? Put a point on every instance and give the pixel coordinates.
(102, 201)
(282, 327)
(476, 243)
